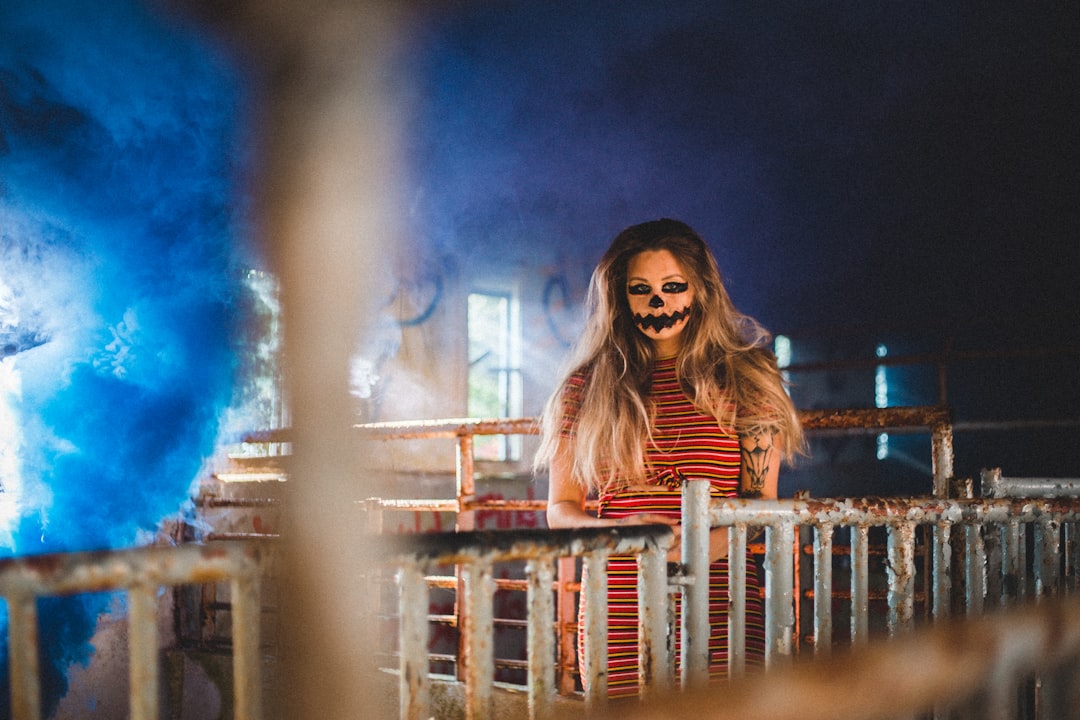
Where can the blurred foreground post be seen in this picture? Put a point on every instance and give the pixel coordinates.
(324, 196)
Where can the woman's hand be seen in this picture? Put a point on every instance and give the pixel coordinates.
(675, 553)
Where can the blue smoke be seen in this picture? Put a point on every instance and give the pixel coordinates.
(120, 283)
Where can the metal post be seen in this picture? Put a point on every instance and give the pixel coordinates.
(143, 647)
(1047, 556)
(974, 568)
(942, 577)
(247, 653)
(779, 583)
(24, 670)
(567, 625)
(737, 600)
(695, 607)
(654, 660)
(860, 589)
(414, 688)
(595, 673)
(1011, 574)
(540, 642)
(901, 573)
(993, 534)
(479, 640)
(941, 440)
(823, 576)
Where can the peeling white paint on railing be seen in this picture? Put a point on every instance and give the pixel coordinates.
(476, 553)
(141, 572)
(1002, 520)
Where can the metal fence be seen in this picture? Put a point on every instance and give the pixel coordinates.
(986, 539)
(947, 556)
(141, 573)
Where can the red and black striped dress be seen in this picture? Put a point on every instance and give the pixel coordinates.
(695, 446)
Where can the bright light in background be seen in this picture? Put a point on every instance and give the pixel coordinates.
(495, 369)
(881, 400)
(782, 348)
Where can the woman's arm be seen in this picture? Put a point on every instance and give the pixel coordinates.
(566, 505)
(761, 453)
(566, 498)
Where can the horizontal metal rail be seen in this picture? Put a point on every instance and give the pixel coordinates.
(141, 573)
(995, 485)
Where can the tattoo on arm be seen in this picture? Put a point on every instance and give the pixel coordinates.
(757, 456)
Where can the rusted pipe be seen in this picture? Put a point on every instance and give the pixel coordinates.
(860, 590)
(995, 485)
(479, 658)
(901, 576)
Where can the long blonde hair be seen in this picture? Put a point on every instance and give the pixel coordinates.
(724, 366)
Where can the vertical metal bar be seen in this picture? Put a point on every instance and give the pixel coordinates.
(143, 650)
(654, 660)
(974, 568)
(901, 574)
(479, 640)
(992, 543)
(1010, 570)
(1047, 557)
(860, 588)
(414, 692)
(779, 610)
(24, 672)
(941, 440)
(541, 642)
(1071, 554)
(595, 673)
(466, 467)
(695, 608)
(567, 625)
(247, 656)
(737, 600)
(464, 521)
(1022, 553)
(823, 577)
(942, 576)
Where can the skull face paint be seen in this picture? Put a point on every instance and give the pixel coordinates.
(660, 298)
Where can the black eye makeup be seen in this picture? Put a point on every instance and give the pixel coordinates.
(675, 287)
(639, 289)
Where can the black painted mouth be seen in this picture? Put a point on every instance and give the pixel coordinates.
(657, 323)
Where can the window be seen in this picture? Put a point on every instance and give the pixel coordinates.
(494, 369)
(881, 400)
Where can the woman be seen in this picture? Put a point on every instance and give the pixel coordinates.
(668, 381)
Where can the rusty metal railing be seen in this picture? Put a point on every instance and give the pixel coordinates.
(991, 553)
(934, 420)
(985, 523)
(475, 553)
(141, 573)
